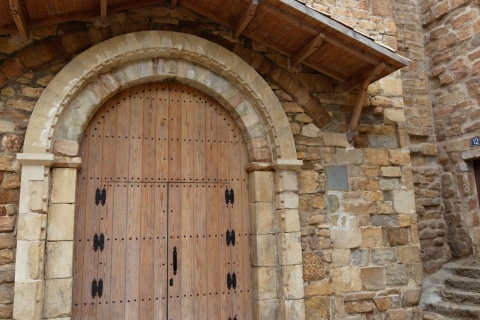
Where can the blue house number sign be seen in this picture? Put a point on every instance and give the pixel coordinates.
(475, 141)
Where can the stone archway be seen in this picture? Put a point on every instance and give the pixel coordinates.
(43, 276)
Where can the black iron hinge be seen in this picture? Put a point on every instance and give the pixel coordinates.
(98, 242)
(231, 281)
(229, 196)
(230, 237)
(97, 288)
(234, 318)
(100, 196)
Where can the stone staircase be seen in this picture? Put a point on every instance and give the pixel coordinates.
(453, 292)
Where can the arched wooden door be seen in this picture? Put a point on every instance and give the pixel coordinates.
(162, 223)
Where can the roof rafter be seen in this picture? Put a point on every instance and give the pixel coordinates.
(307, 50)
(19, 18)
(245, 18)
(103, 11)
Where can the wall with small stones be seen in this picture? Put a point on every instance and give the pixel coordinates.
(359, 231)
(451, 34)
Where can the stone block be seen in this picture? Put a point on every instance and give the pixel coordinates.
(360, 257)
(311, 131)
(409, 254)
(412, 296)
(288, 220)
(381, 141)
(384, 256)
(292, 282)
(346, 279)
(59, 260)
(60, 222)
(36, 254)
(7, 224)
(383, 303)
(391, 172)
(319, 288)
(263, 250)
(340, 257)
(384, 220)
(389, 184)
(6, 293)
(373, 278)
(266, 278)
(308, 182)
(350, 156)
(394, 115)
(337, 177)
(266, 309)
(35, 197)
(31, 226)
(332, 139)
(261, 186)
(289, 248)
(347, 235)
(63, 185)
(293, 309)
(317, 308)
(373, 237)
(398, 236)
(404, 201)
(378, 157)
(66, 147)
(362, 306)
(313, 268)
(58, 298)
(285, 180)
(396, 275)
(287, 200)
(28, 300)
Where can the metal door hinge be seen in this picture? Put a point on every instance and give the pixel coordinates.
(98, 242)
(234, 318)
(231, 281)
(97, 288)
(229, 196)
(230, 237)
(100, 196)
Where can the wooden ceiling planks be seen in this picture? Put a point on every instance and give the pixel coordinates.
(282, 25)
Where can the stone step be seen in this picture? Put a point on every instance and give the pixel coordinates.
(455, 310)
(462, 283)
(466, 271)
(434, 316)
(459, 296)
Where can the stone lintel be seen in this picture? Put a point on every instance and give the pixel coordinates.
(287, 164)
(259, 166)
(471, 154)
(67, 162)
(35, 159)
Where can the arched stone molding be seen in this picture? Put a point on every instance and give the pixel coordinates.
(43, 276)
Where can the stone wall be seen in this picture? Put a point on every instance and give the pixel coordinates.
(358, 217)
(451, 31)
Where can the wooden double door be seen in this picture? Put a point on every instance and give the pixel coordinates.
(162, 222)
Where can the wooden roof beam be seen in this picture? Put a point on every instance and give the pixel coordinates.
(173, 4)
(103, 11)
(245, 18)
(308, 49)
(19, 18)
(354, 83)
(357, 111)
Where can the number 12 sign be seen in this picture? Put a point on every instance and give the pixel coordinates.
(475, 141)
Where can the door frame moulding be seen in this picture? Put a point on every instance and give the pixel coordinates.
(43, 273)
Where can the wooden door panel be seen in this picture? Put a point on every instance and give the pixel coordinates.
(165, 154)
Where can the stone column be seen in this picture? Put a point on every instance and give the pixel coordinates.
(31, 235)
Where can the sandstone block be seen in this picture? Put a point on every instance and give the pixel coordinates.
(287, 200)
(346, 279)
(261, 186)
(360, 257)
(58, 298)
(404, 201)
(293, 309)
(311, 131)
(373, 237)
(399, 157)
(289, 248)
(263, 250)
(36, 196)
(31, 226)
(340, 257)
(59, 259)
(66, 147)
(6, 293)
(396, 275)
(36, 254)
(359, 306)
(266, 277)
(398, 236)
(308, 181)
(350, 156)
(394, 115)
(266, 309)
(60, 222)
(292, 282)
(348, 235)
(288, 220)
(384, 256)
(28, 298)
(373, 278)
(63, 185)
(379, 157)
(317, 308)
(285, 181)
(409, 254)
(391, 172)
(412, 296)
(319, 288)
(332, 139)
(6, 256)
(383, 303)
(7, 224)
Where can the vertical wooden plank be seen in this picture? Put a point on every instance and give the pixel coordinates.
(161, 99)
(107, 211)
(121, 109)
(174, 245)
(160, 251)
(174, 133)
(148, 207)
(134, 212)
(79, 235)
